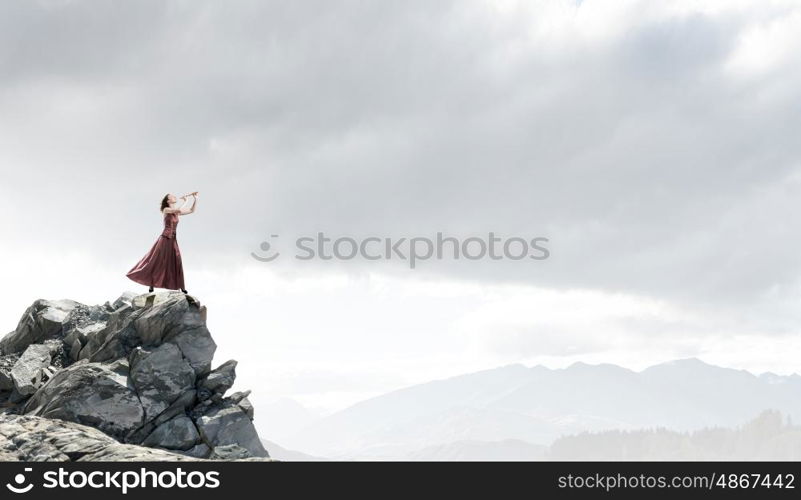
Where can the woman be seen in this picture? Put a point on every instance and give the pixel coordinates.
(162, 267)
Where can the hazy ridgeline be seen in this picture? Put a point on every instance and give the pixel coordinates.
(681, 409)
(770, 436)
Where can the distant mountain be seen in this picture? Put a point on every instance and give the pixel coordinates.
(508, 450)
(766, 437)
(538, 405)
(283, 417)
(282, 454)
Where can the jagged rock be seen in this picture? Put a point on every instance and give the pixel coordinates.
(247, 407)
(116, 337)
(126, 299)
(224, 425)
(160, 376)
(15, 397)
(83, 321)
(6, 382)
(35, 439)
(241, 399)
(28, 371)
(177, 319)
(200, 409)
(120, 367)
(112, 342)
(179, 433)
(218, 381)
(91, 394)
(229, 452)
(27, 438)
(43, 320)
(79, 336)
(237, 396)
(75, 350)
(59, 357)
(138, 369)
(201, 450)
(174, 318)
(178, 407)
(7, 362)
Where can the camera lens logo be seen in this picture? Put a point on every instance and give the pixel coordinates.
(20, 487)
(265, 247)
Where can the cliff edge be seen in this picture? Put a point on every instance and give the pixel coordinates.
(138, 369)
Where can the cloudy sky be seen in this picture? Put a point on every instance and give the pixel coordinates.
(654, 144)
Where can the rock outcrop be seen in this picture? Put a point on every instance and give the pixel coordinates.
(135, 375)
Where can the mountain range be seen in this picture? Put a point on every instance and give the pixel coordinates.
(528, 408)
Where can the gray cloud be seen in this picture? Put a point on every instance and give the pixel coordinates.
(650, 166)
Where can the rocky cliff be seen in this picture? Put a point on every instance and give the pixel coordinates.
(138, 369)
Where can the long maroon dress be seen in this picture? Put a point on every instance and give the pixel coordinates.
(161, 267)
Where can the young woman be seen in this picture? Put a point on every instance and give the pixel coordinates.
(161, 267)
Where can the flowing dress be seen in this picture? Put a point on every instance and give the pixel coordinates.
(161, 267)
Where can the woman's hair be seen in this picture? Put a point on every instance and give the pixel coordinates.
(164, 202)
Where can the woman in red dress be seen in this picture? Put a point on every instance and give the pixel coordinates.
(161, 267)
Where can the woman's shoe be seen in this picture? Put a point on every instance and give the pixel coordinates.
(150, 290)
(184, 291)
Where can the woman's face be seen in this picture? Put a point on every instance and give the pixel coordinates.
(171, 199)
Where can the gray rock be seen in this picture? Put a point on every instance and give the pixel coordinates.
(229, 452)
(240, 399)
(83, 321)
(224, 425)
(35, 439)
(201, 450)
(179, 433)
(15, 397)
(137, 369)
(27, 373)
(237, 396)
(178, 407)
(6, 382)
(176, 318)
(172, 318)
(126, 299)
(74, 335)
(113, 342)
(120, 367)
(90, 394)
(116, 339)
(160, 376)
(43, 320)
(75, 349)
(218, 380)
(80, 335)
(247, 407)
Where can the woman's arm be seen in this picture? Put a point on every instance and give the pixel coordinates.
(176, 210)
(187, 211)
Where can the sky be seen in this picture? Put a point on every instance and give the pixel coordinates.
(653, 143)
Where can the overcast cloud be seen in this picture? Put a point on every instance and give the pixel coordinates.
(654, 143)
